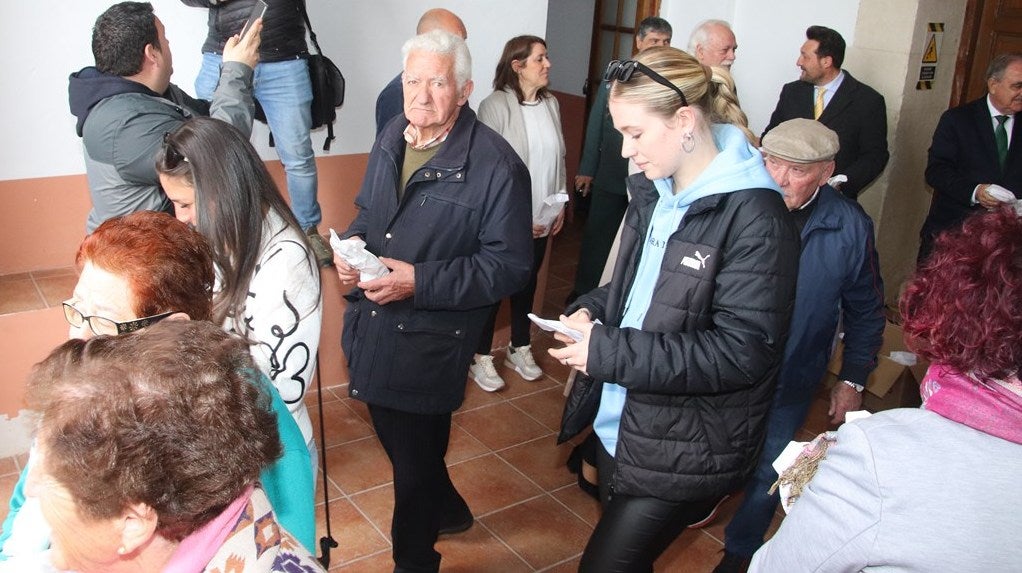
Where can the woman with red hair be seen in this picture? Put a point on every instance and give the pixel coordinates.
(934, 488)
(135, 271)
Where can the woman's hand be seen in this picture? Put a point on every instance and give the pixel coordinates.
(558, 223)
(575, 354)
(537, 231)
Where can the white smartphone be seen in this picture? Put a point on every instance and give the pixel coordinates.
(258, 10)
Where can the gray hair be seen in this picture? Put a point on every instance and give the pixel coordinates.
(995, 71)
(701, 34)
(444, 44)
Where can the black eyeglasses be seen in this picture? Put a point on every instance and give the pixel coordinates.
(171, 153)
(623, 71)
(102, 325)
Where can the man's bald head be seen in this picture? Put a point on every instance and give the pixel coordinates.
(441, 19)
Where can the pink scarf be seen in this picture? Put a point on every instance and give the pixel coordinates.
(993, 408)
(195, 551)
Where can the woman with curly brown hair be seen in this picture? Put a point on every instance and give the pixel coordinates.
(149, 451)
(933, 488)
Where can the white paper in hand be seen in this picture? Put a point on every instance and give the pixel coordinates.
(552, 206)
(1000, 193)
(556, 326)
(354, 252)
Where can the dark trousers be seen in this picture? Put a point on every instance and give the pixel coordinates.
(424, 497)
(521, 306)
(634, 531)
(605, 216)
(744, 534)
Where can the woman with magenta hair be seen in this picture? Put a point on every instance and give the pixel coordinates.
(933, 488)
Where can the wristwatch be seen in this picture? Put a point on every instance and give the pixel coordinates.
(858, 387)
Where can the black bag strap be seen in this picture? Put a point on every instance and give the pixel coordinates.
(308, 26)
(330, 125)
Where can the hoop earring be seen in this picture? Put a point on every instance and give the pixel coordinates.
(688, 143)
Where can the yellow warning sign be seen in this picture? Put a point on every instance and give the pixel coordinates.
(930, 54)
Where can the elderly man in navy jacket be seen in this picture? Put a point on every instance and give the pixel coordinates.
(445, 204)
(974, 151)
(838, 278)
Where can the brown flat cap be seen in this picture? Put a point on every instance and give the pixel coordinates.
(801, 141)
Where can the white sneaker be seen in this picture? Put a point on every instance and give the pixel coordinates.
(520, 358)
(485, 374)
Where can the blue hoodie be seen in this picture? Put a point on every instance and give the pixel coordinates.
(738, 166)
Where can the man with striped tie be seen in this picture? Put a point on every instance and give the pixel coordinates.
(854, 110)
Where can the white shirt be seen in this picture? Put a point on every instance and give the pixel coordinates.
(831, 88)
(544, 152)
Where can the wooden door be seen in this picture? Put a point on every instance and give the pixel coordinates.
(614, 26)
(991, 27)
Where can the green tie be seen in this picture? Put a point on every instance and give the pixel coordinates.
(1001, 135)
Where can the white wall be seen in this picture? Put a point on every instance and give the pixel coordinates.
(769, 36)
(45, 40)
(569, 33)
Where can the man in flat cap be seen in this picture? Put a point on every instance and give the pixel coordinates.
(838, 283)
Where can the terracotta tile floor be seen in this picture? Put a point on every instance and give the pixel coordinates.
(503, 458)
(36, 290)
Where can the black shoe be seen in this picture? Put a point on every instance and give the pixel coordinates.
(710, 516)
(458, 527)
(733, 563)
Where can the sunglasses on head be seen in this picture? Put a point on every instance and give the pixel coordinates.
(623, 70)
(173, 156)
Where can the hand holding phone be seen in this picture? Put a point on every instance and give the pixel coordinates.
(244, 47)
(258, 10)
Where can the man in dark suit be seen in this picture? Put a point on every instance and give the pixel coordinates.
(832, 96)
(965, 167)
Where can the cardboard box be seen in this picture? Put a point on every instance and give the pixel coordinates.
(891, 385)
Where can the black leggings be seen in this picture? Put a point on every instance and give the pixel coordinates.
(634, 531)
(521, 306)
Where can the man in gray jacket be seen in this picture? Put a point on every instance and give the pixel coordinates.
(126, 103)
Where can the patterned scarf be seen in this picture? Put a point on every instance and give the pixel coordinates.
(993, 408)
(197, 549)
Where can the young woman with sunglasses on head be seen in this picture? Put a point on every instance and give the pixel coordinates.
(268, 289)
(682, 370)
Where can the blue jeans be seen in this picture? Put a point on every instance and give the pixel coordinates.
(285, 92)
(744, 535)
